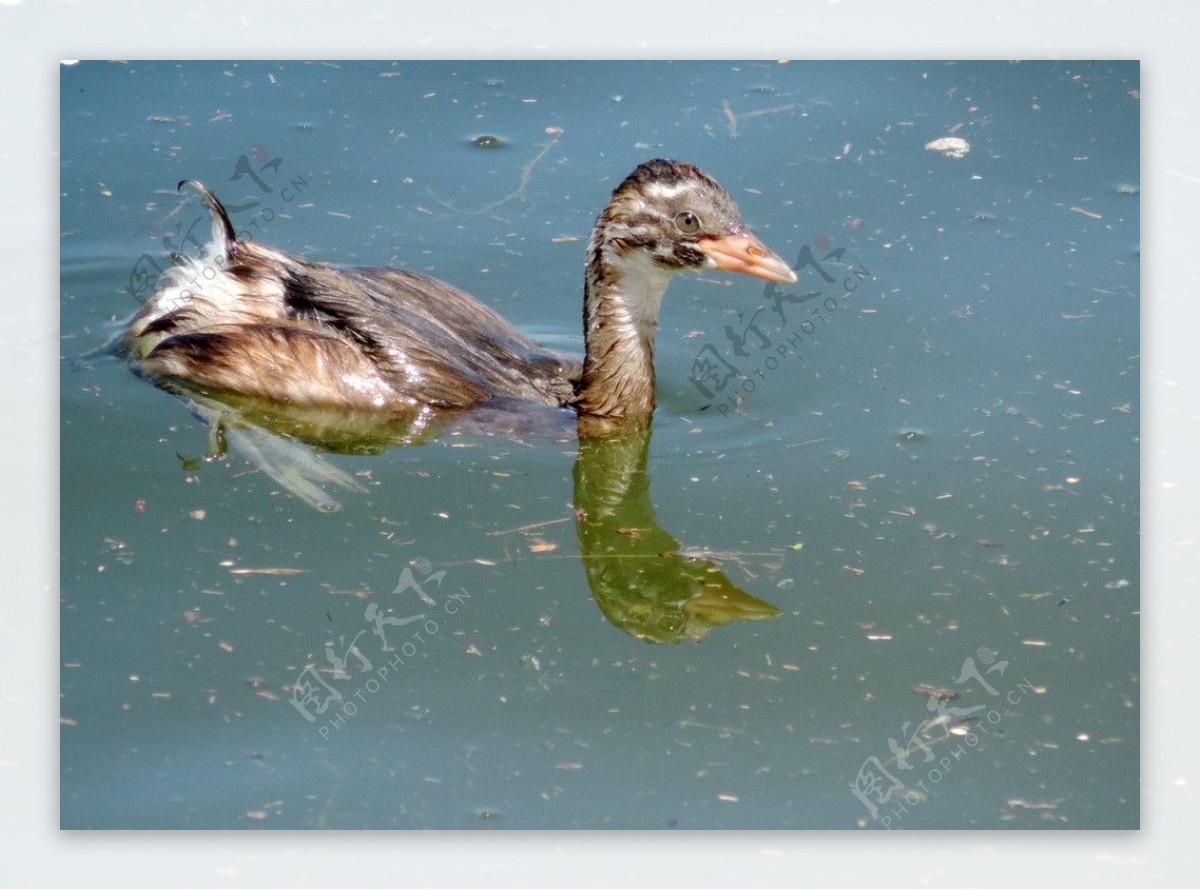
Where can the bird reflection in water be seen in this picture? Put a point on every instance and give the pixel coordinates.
(643, 580)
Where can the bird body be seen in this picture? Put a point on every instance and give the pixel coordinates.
(250, 321)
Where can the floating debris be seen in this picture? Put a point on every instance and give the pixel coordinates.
(933, 692)
(1018, 804)
(532, 525)
(271, 570)
(950, 146)
(488, 141)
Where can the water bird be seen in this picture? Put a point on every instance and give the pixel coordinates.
(247, 321)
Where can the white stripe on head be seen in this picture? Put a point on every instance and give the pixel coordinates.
(665, 191)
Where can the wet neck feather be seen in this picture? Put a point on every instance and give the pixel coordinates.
(622, 295)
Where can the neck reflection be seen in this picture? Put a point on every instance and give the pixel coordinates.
(641, 579)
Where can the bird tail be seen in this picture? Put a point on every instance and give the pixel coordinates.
(223, 236)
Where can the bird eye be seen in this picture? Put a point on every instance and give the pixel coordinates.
(687, 222)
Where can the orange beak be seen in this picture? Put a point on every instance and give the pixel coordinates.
(746, 254)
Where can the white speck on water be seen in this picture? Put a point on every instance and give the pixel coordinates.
(950, 146)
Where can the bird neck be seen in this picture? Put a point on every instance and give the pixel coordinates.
(623, 291)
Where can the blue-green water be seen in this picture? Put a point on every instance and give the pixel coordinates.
(942, 464)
